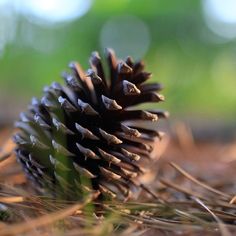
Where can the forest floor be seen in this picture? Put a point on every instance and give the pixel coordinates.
(194, 183)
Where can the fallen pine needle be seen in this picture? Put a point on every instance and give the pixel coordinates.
(222, 227)
(190, 177)
(233, 200)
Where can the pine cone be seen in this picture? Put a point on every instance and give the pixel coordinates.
(84, 136)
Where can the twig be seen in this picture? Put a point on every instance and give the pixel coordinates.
(11, 199)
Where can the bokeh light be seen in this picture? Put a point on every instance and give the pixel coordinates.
(197, 67)
(221, 17)
(52, 11)
(128, 35)
(29, 22)
(7, 27)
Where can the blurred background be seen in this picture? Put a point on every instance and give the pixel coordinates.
(190, 46)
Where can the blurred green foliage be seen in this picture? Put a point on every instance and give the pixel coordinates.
(198, 72)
